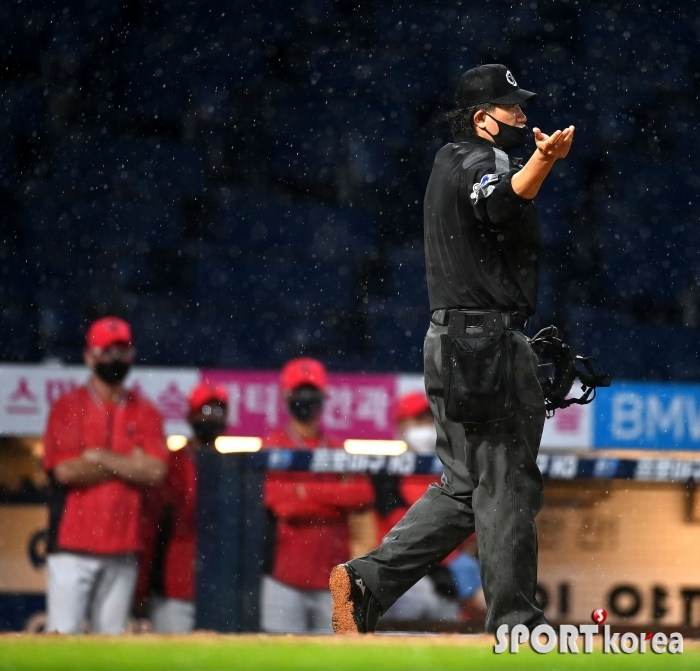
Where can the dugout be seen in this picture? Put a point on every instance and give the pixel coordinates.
(619, 527)
(620, 532)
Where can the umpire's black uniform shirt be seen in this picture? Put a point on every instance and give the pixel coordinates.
(482, 241)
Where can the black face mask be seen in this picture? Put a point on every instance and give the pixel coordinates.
(208, 430)
(305, 404)
(509, 137)
(113, 372)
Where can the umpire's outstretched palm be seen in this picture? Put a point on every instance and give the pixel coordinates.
(557, 144)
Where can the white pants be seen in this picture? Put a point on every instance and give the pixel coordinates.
(171, 616)
(287, 610)
(98, 587)
(423, 602)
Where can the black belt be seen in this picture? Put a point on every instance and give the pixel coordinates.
(463, 321)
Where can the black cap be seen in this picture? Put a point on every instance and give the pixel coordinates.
(492, 83)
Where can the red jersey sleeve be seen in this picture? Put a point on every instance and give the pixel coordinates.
(285, 495)
(351, 492)
(313, 497)
(151, 436)
(62, 439)
(304, 496)
(183, 491)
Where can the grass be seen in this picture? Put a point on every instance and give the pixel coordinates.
(210, 652)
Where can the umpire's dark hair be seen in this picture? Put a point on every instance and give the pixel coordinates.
(461, 120)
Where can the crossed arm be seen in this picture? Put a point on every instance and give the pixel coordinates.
(94, 466)
(293, 498)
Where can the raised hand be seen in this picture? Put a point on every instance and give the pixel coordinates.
(556, 145)
(528, 180)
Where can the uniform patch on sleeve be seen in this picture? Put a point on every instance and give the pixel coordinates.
(485, 187)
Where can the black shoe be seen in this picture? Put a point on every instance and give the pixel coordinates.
(355, 609)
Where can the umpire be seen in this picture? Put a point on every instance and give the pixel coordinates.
(482, 246)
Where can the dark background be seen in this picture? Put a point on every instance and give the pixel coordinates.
(243, 181)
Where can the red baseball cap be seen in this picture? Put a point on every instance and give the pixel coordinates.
(108, 331)
(205, 392)
(411, 405)
(303, 371)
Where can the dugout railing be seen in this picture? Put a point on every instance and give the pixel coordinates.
(233, 533)
(615, 531)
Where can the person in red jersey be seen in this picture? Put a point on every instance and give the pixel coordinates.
(310, 512)
(167, 575)
(103, 445)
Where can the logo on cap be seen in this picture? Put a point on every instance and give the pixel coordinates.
(511, 79)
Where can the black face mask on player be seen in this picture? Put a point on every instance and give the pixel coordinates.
(509, 137)
(208, 430)
(305, 403)
(113, 372)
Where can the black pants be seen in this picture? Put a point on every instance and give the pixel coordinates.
(491, 484)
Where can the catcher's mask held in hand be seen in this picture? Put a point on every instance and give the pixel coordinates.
(559, 367)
